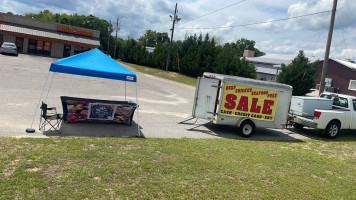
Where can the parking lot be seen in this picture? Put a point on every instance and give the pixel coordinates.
(162, 103)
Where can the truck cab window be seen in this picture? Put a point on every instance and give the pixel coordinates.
(337, 101)
(343, 102)
(325, 96)
(354, 102)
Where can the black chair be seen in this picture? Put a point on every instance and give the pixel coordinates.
(49, 116)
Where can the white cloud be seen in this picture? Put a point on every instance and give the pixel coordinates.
(268, 26)
(348, 53)
(284, 37)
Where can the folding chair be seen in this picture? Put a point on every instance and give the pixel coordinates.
(49, 116)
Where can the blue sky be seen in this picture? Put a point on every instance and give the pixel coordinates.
(284, 37)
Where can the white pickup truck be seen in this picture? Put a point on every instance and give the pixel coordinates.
(342, 115)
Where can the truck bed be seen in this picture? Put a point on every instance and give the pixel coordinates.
(305, 106)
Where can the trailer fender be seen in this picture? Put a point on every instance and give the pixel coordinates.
(239, 122)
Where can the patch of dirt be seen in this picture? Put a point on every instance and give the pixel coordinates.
(10, 169)
(53, 171)
(35, 169)
(173, 75)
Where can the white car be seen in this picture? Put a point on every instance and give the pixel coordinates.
(8, 48)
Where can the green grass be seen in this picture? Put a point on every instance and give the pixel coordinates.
(166, 75)
(132, 168)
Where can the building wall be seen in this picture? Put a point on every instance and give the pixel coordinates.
(266, 77)
(8, 38)
(25, 45)
(266, 71)
(72, 50)
(340, 75)
(57, 50)
(1, 37)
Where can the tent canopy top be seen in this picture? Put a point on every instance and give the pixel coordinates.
(93, 63)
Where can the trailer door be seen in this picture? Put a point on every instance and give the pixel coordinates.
(205, 98)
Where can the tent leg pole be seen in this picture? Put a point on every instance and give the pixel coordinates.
(32, 130)
(125, 90)
(49, 88)
(138, 117)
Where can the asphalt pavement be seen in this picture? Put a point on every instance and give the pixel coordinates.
(161, 104)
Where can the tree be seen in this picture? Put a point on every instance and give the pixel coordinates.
(244, 44)
(245, 69)
(300, 74)
(152, 38)
(227, 62)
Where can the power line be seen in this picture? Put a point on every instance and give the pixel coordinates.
(213, 11)
(327, 48)
(117, 28)
(109, 34)
(343, 37)
(168, 27)
(250, 24)
(207, 14)
(321, 31)
(175, 19)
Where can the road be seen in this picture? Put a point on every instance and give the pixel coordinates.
(162, 103)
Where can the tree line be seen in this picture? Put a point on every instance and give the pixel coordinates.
(192, 56)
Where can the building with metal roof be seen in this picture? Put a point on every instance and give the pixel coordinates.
(46, 38)
(269, 66)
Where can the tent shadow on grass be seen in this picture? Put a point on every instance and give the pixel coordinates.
(95, 130)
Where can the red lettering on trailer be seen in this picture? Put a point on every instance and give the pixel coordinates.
(230, 98)
(243, 104)
(267, 107)
(254, 107)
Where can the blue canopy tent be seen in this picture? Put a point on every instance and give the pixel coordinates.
(92, 63)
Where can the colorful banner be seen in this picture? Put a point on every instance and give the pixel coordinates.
(101, 111)
(249, 102)
(80, 109)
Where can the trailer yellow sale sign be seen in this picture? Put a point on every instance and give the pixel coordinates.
(249, 102)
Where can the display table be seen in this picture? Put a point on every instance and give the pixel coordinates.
(94, 110)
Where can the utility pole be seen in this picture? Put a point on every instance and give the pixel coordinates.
(327, 50)
(109, 33)
(117, 28)
(174, 19)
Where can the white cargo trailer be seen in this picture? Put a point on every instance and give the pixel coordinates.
(242, 102)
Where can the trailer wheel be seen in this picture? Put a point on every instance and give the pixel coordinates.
(298, 126)
(246, 128)
(332, 129)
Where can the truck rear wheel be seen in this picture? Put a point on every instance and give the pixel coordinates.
(332, 129)
(246, 128)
